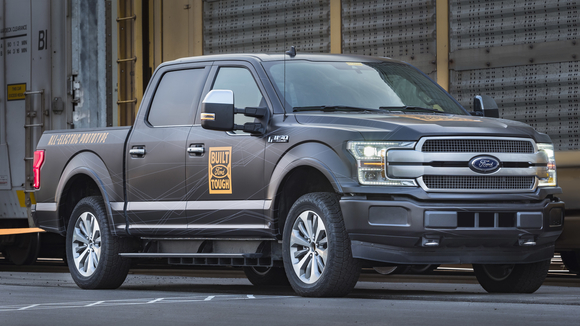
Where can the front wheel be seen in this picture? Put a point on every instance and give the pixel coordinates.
(511, 278)
(316, 248)
(92, 251)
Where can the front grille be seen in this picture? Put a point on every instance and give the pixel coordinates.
(477, 146)
(479, 182)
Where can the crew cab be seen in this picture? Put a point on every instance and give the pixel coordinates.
(302, 168)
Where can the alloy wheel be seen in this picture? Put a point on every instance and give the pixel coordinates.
(86, 244)
(308, 247)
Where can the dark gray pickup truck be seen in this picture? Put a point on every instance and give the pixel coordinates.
(302, 169)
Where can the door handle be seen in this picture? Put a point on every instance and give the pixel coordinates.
(196, 149)
(137, 151)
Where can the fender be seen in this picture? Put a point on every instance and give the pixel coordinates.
(313, 154)
(91, 165)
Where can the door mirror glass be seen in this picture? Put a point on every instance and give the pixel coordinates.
(486, 106)
(217, 110)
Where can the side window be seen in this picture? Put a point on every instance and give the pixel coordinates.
(246, 92)
(175, 97)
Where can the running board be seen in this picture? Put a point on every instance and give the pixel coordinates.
(208, 259)
(187, 255)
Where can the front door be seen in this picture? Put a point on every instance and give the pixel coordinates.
(225, 170)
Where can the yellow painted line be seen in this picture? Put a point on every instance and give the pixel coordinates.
(20, 231)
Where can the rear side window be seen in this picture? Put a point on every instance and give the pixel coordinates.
(176, 97)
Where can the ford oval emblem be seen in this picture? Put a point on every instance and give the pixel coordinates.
(484, 164)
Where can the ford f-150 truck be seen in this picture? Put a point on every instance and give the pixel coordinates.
(302, 169)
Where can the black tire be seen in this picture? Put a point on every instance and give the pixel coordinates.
(572, 261)
(520, 278)
(267, 276)
(25, 249)
(110, 270)
(336, 271)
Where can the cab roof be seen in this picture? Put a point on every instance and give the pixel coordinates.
(264, 57)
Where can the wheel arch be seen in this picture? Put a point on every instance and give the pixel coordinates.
(85, 175)
(315, 162)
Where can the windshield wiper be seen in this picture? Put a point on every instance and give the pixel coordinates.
(330, 108)
(410, 108)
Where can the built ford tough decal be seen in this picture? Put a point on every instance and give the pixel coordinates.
(220, 167)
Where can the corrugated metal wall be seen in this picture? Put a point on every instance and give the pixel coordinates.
(403, 29)
(238, 26)
(524, 54)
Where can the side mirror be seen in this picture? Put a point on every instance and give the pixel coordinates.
(486, 106)
(217, 110)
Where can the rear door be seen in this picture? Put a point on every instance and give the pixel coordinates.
(157, 150)
(225, 170)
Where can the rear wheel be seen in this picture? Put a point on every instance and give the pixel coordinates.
(422, 269)
(406, 269)
(266, 276)
(392, 270)
(92, 251)
(316, 248)
(512, 278)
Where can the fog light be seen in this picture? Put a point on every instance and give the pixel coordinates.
(429, 242)
(371, 176)
(527, 241)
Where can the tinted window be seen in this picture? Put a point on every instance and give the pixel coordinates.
(175, 97)
(246, 92)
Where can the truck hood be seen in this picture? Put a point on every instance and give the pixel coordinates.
(409, 127)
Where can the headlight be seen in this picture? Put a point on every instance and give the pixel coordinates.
(371, 160)
(550, 179)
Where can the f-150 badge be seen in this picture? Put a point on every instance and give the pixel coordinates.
(220, 170)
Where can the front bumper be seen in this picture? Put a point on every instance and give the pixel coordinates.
(406, 231)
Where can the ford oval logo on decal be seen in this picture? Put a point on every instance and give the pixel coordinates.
(484, 164)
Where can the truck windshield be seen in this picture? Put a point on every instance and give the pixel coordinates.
(385, 86)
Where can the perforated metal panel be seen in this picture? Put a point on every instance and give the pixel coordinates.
(238, 26)
(524, 55)
(475, 24)
(403, 29)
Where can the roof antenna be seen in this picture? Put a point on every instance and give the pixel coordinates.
(291, 52)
